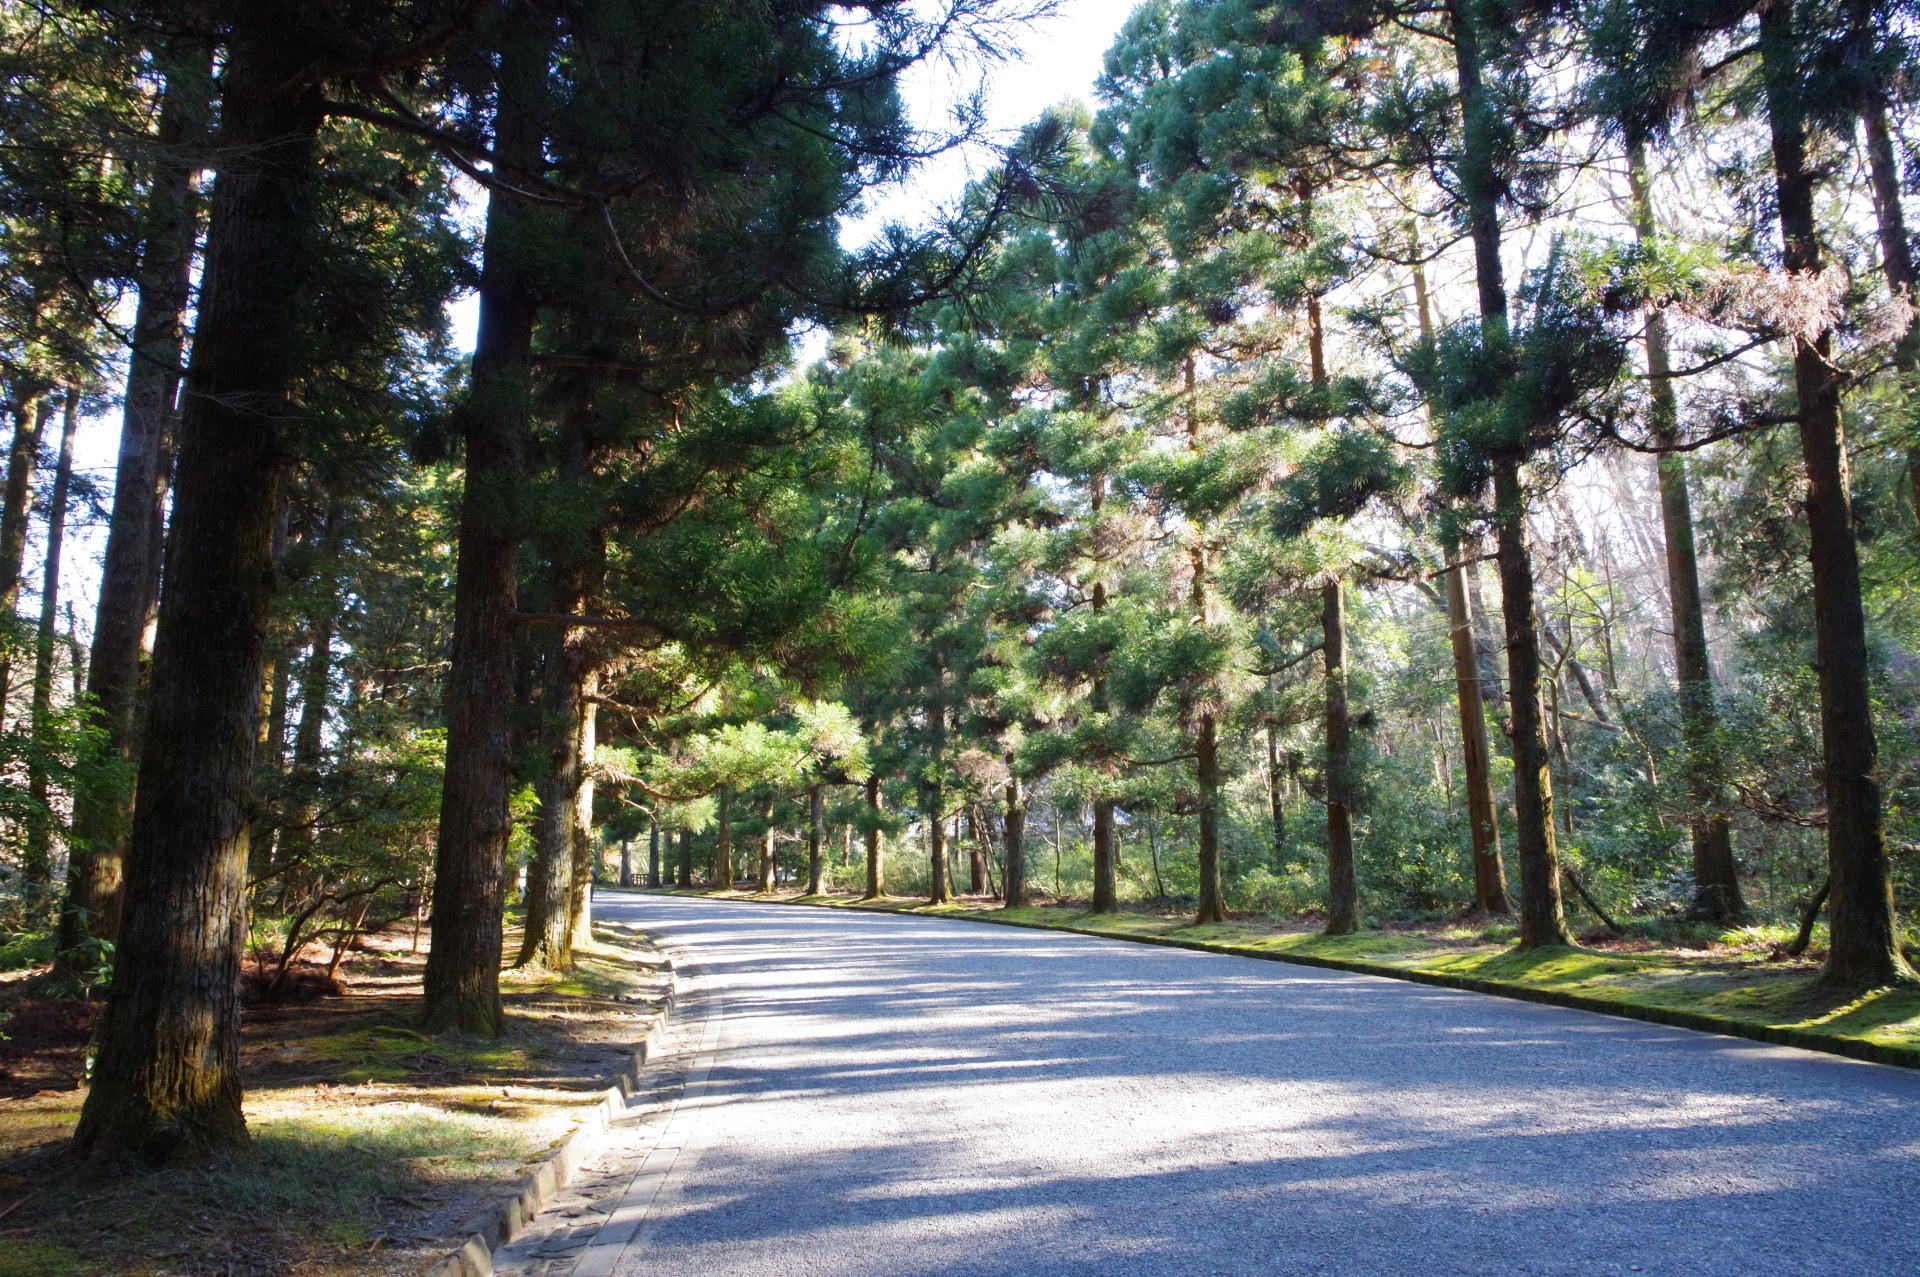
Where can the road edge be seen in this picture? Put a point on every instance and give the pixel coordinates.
(1772, 1035)
(500, 1223)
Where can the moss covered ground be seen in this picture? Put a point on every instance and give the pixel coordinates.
(1738, 981)
(372, 1144)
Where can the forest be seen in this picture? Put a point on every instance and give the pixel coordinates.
(1374, 462)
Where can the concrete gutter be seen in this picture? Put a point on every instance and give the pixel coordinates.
(500, 1223)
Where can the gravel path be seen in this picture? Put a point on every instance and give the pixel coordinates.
(862, 1094)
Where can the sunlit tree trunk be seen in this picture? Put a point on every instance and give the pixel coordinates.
(1863, 950)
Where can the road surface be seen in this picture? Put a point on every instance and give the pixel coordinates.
(859, 1095)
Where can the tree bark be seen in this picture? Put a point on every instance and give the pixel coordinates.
(166, 1082)
(976, 856)
(1542, 914)
(1864, 951)
(816, 830)
(580, 830)
(769, 862)
(462, 981)
(16, 509)
(548, 940)
(653, 854)
(1276, 797)
(723, 843)
(37, 862)
(130, 569)
(626, 860)
(1015, 836)
(1543, 918)
(942, 890)
(686, 859)
(1343, 892)
(876, 863)
(1716, 875)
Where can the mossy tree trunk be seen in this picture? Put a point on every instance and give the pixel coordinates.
(166, 1082)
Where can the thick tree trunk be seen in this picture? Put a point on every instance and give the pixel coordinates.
(37, 862)
(1015, 837)
(816, 831)
(166, 1083)
(1863, 951)
(462, 982)
(876, 863)
(686, 859)
(653, 855)
(1343, 892)
(1716, 876)
(769, 862)
(626, 861)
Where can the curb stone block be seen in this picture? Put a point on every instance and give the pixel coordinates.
(506, 1219)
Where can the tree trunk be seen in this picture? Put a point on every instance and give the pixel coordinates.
(37, 862)
(1276, 797)
(299, 879)
(462, 982)
(876, 864)
(166, 1083)
(1489, 873)
(769, 862)
(1207, 765)
(1015, 836)
(976, 856)
(1716, 876)
(130, 569)
(1343, 892)
(816, 830)
(1106, 897)
(1863, 952)
(16, 510)
(550, 869)
(626, 861)
(1542, 915)
(686, 859)
(580, 888)
(723, 843)
(653, 854)
(942, 890)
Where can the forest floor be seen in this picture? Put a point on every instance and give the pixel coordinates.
(1738, 982)
(374, 1146)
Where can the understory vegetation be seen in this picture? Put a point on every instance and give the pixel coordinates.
(1369, 464)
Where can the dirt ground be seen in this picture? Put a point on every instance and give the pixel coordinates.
(373, 1145)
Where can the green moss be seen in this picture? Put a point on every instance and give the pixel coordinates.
(20, 1258)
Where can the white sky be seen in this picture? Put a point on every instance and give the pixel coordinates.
(1060, 58)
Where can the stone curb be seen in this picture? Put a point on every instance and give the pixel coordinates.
(499, 1224)
(1852, 1048)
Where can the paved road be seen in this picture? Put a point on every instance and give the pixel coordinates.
(886, 1097)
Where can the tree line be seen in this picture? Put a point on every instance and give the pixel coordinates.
(1369, 444)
